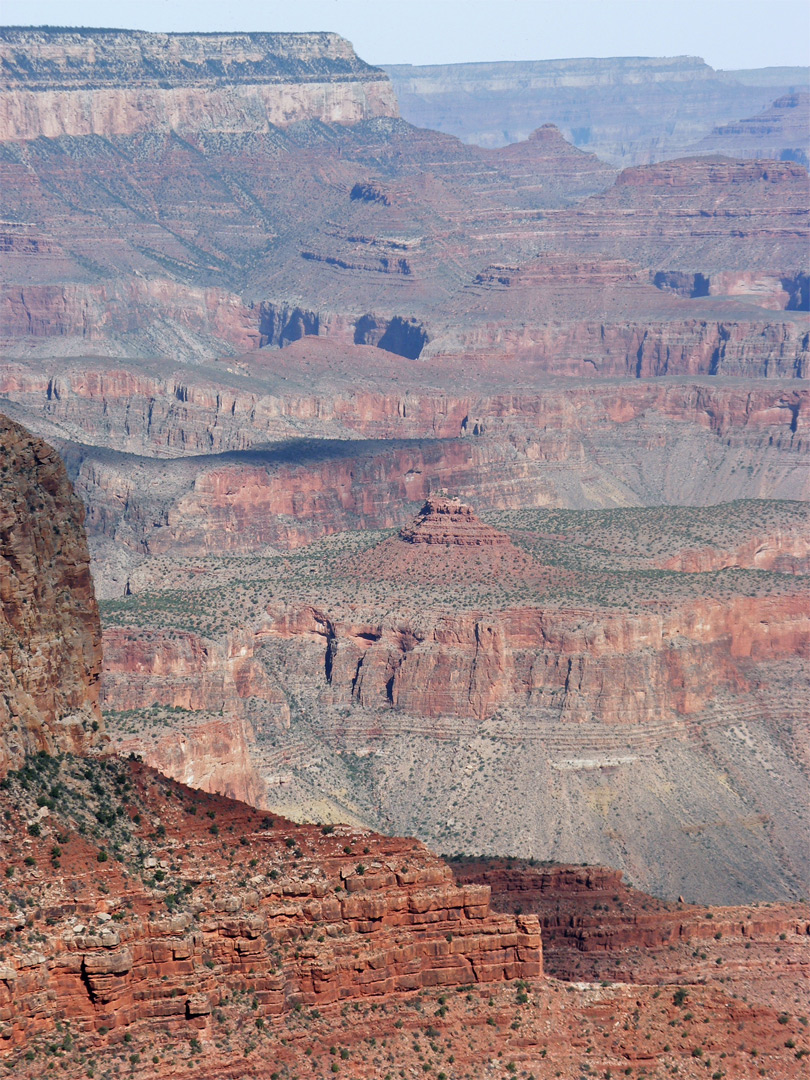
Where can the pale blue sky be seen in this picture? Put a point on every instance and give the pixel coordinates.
(726, 33)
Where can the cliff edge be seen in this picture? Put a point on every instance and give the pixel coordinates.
(56, 82)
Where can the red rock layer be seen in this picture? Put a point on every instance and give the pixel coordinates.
(50, 635)
(535, 443)
(319, 917)
(450, 523)
(619, 668)
(181, 670)
(595, 926)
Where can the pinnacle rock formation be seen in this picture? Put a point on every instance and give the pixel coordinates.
(453, 523)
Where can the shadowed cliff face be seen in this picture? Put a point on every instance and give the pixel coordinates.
(50, 638)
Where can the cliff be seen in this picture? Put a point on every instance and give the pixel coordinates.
(191, 952)
(56, 82)
(50, 636)
(327, 915)
(569, 666)
(295, 949)
(597, 927)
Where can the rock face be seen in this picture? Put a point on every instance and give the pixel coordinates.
(596, 927)
(125, 82)
(50, 636)
(627, 110)
(209, 754)
(220, 939)
(566, 667)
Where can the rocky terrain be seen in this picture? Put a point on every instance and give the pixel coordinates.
(432, 490)
(626, 110)
(149, 928)
(324, 438)
(401, 314)
(175, 232)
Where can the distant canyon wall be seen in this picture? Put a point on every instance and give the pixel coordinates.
(98, 82)
(626, 110)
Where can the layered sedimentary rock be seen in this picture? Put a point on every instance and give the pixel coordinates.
(50, 636)
(450, 523)
(122, 82)
(157, 955)
(596, 701)
(576, 665)
(299, 949)
(151, 244)
(210, 754)
(312, 926)
(778, 132)
(281, 448)
(596, 927)
(628, 110)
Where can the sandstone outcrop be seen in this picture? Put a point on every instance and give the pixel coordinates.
(450, 523)
(50, 636)
(123, 82)
(222, 939)
(210, 754)
(596, 927)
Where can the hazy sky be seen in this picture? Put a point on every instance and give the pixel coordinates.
(726, 33)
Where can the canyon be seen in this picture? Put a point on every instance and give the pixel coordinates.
(556, 683)
(259, 345)
(139, 934)
(438, 497)
(626, 110)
